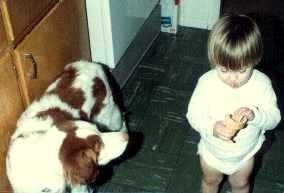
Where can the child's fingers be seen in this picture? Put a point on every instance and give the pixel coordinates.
(242, 112)
(248, 114)
(238, 113)
(226, 133)
(225, 138)
(223, 133)
(229, 134)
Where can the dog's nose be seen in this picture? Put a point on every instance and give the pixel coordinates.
(125, 136)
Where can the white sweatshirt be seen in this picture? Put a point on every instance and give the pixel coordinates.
(212, 99)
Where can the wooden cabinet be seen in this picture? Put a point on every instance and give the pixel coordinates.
(58, 39)
(3, 38)
(11, 106)
(23, 15)
(41, 38)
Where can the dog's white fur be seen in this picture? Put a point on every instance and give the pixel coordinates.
(33, 160)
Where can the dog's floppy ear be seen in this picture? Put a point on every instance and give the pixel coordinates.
(79, 160)
(95, 142)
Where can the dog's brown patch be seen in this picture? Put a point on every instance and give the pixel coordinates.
(79, 158)
(58, 116)
(74, 97)
(99, 92)
(68, 126)
(95, 142)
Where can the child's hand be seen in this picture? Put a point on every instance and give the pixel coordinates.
(243, 112)
(222, 132)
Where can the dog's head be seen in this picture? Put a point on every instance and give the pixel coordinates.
(84, 148)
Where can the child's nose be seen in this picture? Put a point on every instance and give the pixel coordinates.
(233, 77)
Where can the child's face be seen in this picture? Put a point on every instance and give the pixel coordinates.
(234, 79)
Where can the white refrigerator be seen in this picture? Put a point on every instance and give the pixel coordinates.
(113, 24)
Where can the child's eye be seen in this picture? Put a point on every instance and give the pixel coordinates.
(224, 70)
(243, 70)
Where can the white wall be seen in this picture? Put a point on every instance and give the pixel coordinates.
(199, 13)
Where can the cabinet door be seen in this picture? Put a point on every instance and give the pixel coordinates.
(61, 37)
(3, 39)
(22, 15)
(11, 107)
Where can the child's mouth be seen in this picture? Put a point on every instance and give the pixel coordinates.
(233, 85)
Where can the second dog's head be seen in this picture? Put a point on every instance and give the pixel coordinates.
(84, 148)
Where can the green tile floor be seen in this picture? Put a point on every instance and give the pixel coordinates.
(162, 153)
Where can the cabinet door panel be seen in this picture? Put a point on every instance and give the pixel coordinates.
(11, 107)
(24, 14)
(62, 37)
(3, 39)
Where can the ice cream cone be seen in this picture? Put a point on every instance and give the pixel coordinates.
(234, 125)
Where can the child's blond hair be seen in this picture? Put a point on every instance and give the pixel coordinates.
(235, 43)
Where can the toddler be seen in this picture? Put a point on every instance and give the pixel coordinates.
(232, 87)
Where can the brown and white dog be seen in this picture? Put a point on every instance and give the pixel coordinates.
(57, 142)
